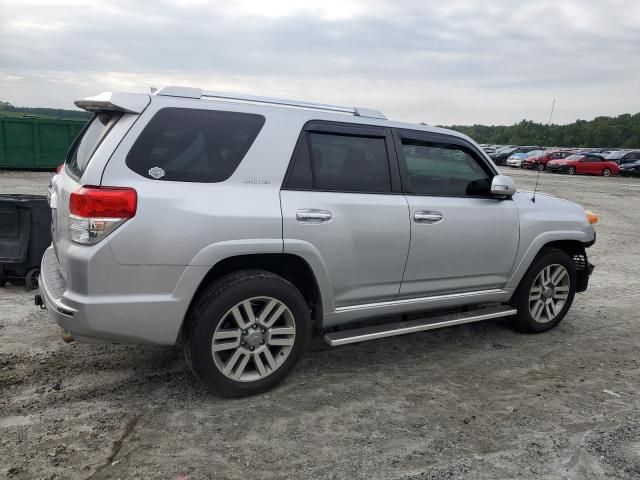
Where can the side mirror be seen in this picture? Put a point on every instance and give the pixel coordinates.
(503, 186)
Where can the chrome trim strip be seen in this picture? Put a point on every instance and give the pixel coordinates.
(55, 304)
(410, 301)
(50, 302)
(402, 328)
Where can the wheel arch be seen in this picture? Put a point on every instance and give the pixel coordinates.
(291, 267)
(578, 254)
(574, 247)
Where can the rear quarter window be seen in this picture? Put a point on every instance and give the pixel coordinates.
(89, 140)
(190, 145)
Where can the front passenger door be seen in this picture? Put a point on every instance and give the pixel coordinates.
(462, 238)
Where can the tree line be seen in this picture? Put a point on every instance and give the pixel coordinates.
(622, 131)
(8, 110)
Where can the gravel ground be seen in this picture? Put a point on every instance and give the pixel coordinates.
(477, 401)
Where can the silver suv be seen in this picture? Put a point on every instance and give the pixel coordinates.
(238, 225)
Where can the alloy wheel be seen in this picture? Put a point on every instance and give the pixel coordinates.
(254, 339)
(549, 293)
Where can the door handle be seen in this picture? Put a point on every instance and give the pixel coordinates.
(312, 215)
(426, 216)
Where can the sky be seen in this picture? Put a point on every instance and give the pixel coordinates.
(440, 62)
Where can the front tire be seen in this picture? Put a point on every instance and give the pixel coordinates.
(546, 292)
(571, 171)
(541, 167)
(246, 332)
(606, 172)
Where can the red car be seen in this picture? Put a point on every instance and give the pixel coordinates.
(587, 163)
(540, 162)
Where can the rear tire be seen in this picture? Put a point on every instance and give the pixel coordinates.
(606, 172)
(546, 292)
(246, 332)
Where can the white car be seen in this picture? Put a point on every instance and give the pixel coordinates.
(515, 160)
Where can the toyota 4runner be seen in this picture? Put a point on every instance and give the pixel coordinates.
(238, 225)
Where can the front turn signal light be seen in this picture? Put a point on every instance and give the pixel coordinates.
(592, 217)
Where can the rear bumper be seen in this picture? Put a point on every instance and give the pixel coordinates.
(127, 317)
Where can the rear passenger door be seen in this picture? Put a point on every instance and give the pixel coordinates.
(462, 238)
(342, 206)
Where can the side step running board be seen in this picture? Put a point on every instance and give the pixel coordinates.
(374, 332)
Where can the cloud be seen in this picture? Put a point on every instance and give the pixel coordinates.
(457, 61)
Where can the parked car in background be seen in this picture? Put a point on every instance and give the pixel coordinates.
(597, 151)
(539, 162)
(630, 169)
(501, 156)
(517, 159)
(628, 157)
(584, 163)
(616, 155)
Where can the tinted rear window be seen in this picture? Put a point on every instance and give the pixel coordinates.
(189, 145)
(89, 139)
(349, 163)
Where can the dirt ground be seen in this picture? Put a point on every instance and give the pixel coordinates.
(478, 401)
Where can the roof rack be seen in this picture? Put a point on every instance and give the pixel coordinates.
(188, 92)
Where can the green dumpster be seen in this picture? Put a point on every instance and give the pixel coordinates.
(35, 143)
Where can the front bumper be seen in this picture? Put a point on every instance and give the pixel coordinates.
(583, 277)
(583, 266)
(558, 168)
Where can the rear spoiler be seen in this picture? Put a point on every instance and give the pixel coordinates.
(122, 102)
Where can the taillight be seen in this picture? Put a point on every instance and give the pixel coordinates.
(59, 168)
(98, 211)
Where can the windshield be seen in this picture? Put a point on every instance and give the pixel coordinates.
(534, 153)
(574, 157)
(86, 143)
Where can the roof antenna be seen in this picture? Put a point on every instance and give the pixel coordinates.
(533, 197)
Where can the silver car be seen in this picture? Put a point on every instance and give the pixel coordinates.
(237, 226)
